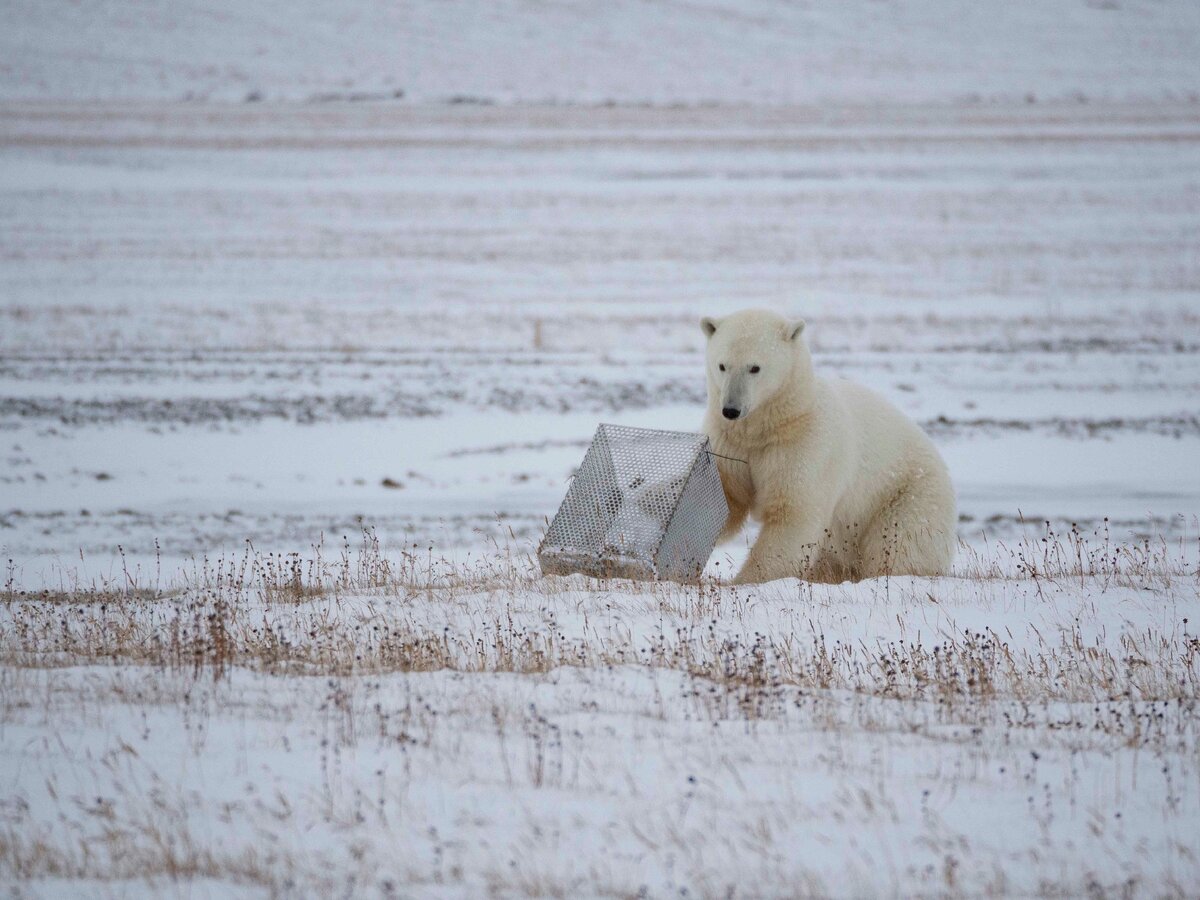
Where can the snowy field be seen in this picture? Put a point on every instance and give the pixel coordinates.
(224, 322)
(378, 728)
(268, 279)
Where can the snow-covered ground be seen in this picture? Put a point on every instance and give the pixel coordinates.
(231, 322)
(624, 51)
(423, 730)
(273, 273)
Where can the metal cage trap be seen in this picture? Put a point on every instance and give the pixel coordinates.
(644, 504)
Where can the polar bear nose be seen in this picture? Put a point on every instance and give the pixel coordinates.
(730, 413)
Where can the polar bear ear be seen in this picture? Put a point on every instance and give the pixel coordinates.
(708, 325)
(795, 329)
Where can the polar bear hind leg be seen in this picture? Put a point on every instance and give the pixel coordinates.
(913, 534)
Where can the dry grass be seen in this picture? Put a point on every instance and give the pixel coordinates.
(1055, 647)
(368, 612)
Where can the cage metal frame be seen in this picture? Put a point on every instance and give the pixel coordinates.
(645, 503)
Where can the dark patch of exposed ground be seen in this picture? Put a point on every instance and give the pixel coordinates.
(585, 395)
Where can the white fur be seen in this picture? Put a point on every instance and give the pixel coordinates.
(845, 485)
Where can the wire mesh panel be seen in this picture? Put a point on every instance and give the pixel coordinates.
(644, 504)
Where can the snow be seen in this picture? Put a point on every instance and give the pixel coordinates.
(596, 780)
(899, 51)
(250, 316)
(272, 274)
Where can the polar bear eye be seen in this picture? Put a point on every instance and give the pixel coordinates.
(754, 370)
(721, 367)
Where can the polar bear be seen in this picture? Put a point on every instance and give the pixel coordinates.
(845, 485)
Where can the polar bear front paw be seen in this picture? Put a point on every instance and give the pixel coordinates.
(757, 573)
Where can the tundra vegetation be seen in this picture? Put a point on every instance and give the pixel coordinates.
(362, 721)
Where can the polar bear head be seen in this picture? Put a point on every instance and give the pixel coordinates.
(752, 357)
